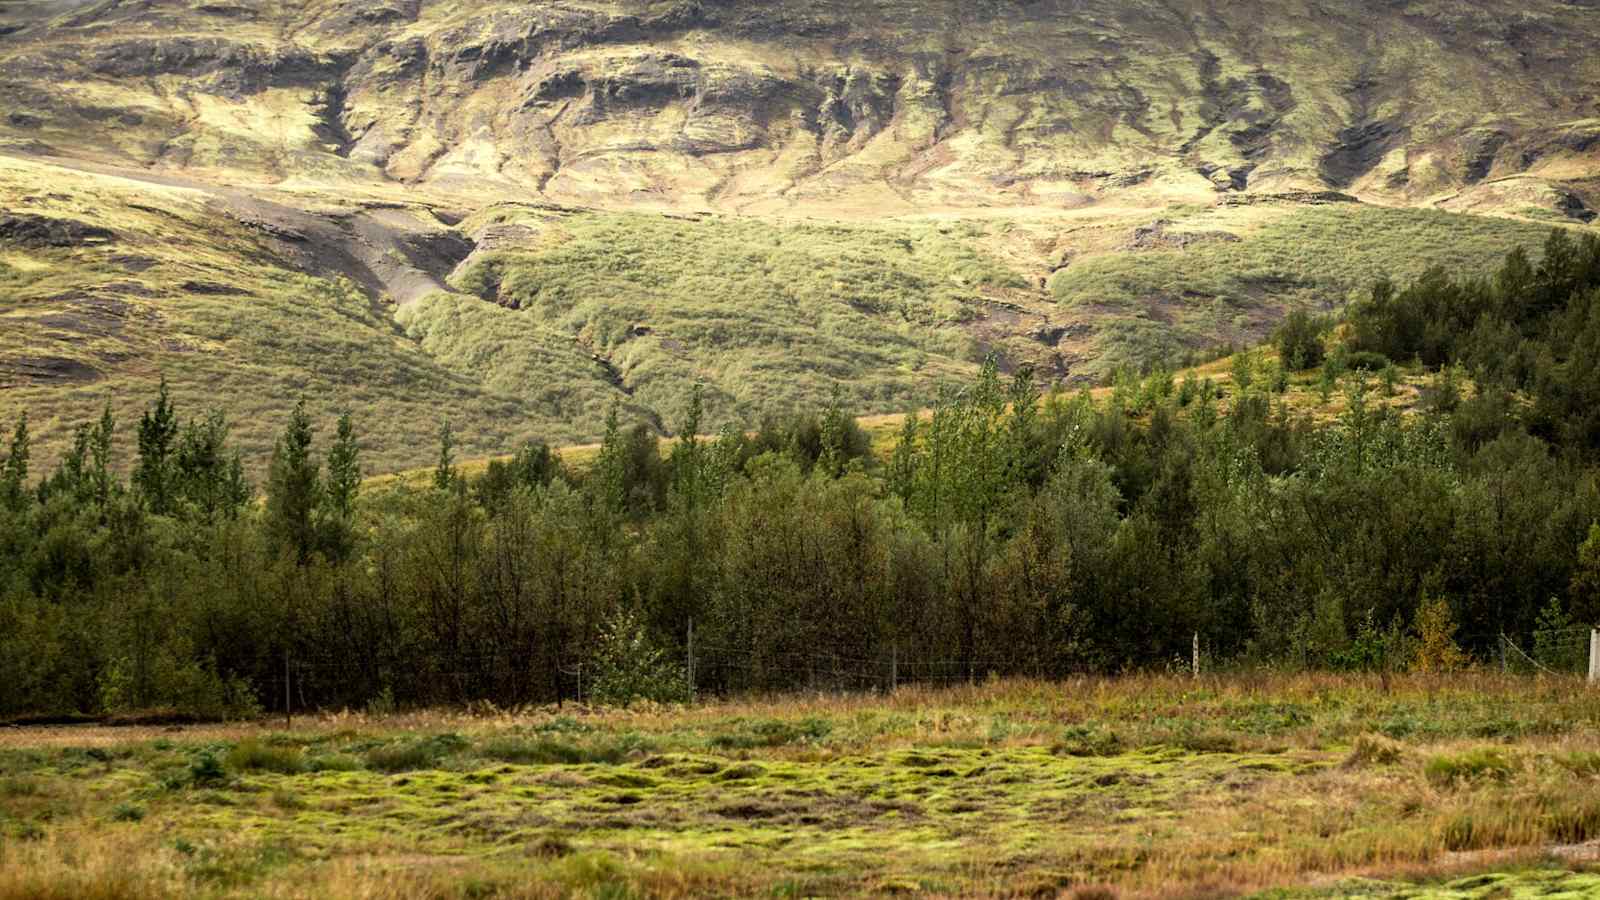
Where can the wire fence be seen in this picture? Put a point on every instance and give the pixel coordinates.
(1555, 651)
(320, 680)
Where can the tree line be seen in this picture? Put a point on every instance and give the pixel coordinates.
(1005, 533)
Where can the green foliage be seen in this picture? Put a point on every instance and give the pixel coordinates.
(629, 667)
(1450, 770)
(416, 755)
(1243, 371)
(294, 490)
(206, 771)
(1557, 644)
(773, 733)
(444, 471)
(1375, 649)
(344, 470)
(208, 480)
(127, 812)
(532, 469)
(1300, 341)
(1366, 361)
(1005, 533)
(254, 756)
(1585, 585)
(14, 473)
(153, 476)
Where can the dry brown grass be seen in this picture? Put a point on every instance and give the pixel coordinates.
(1213, 787)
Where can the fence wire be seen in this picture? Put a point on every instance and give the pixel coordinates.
(329, 679)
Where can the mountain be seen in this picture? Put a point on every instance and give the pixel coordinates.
(511, 214)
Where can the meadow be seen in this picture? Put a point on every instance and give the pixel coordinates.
(1472, 786)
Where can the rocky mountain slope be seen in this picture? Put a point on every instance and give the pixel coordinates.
(886, 106)
(513, 213)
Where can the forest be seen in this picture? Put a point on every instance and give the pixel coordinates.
(1006, 532)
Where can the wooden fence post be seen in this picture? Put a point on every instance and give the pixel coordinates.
(691, 659)
(894, 666)
(1594, 656)
(1197, 654)
(288, 715)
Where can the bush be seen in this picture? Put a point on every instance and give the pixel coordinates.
(1474, 765)
(1081, 740)
(206, 770)
(1366, 361)
(1299, 341)
(334, 762)
(1437, 650)
(1374, 751)
(423, 754)
(548, 751)
(127, 812)
(253, 756)
(774, 733)
(629, 667)
(1584, 763)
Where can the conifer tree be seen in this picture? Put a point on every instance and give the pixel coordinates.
(153, 474)
(14, 474)
(344, 470)
(444, 472)
(294, 489)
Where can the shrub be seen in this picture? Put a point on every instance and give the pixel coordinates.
(1366, 361)
(548, 751)
(1081, 740)
(206, 770)
(629, 667)
(333, 762)
(1584, 763)
(774, 733)
(253, 756)
(383, 704)
(127, 812)
(1556, 644)
(1299, 341)
(423, 754)
(287, 800)
(1447, 770)
(1436, 644)
(1371, 750)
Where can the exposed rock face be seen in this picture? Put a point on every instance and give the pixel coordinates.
(34, 231)
(880, 106)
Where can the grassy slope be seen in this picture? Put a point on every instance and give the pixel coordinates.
(1150, 786)
(636, 307)
(123, 311)
(769, 316)
(1317, 256)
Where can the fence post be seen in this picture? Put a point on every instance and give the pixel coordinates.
(1197, 654)
(580, 684)
(1594, 656)
(288, 715)
(691, 659)
(894, 667)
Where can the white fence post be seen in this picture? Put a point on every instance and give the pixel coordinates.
(1594, 656)
(1197, 654)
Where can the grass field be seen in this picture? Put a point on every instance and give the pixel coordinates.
(1304, 786)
